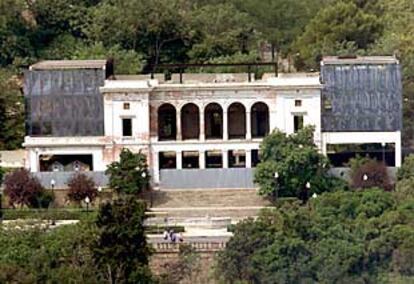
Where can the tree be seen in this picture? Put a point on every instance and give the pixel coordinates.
(22, 188)
(156, 28)
(301, 169)
(130, 175)
(220, 30)
(1, 175)
(357, 237)
(80, 187)
(368, 173)
(121, 251)
(11, 111)
(406, 170)
(341, 28)
(279, 22)
(125, 61)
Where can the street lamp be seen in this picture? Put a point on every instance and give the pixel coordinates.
(87, 201)
(383, 144)
(52, 184)
(365, 177)
(276, 176)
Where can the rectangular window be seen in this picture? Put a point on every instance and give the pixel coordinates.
(297, 122)
(214, 159)
(168, 160)
(126, 127)
(126, 106)
(237, 159)
(190, 160)
(298, 103)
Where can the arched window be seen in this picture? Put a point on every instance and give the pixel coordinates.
(237, 121)
(213, 121)
(259, 116)
(190, 121)
(167, 125)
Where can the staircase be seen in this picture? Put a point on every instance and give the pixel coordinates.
(204, 206)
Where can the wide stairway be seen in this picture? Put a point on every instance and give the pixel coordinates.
(203, 206)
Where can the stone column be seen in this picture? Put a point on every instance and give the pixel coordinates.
(398, 152)
(248, 126)
(178, 124)
(225, 126)
(202, 130)
(225, 157)
(179, 157)
(248, 159)
(202, 159)
(156, 167)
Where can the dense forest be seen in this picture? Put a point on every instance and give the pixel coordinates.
(139, 34)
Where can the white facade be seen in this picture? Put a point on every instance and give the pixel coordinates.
(140, 101)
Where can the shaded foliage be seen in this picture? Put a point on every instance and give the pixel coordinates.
(80, 187)
(23, 189)
(367, 173)
(121, 250)
(130, 175)
(301, 169)
(343, 236)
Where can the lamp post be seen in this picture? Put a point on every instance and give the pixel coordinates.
(307, 189)
(52, 184)
(276, 176)
(99, 197)
(383, 144)
(87, 201)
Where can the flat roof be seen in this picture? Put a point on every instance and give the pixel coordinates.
(68, 64)
(350, 60)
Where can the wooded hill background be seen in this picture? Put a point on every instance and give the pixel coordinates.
(140, 33)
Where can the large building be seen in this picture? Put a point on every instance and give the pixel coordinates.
(205, 130)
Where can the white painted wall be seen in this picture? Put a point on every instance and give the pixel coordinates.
(285, 110)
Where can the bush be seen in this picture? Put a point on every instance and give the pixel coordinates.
(368, 173)
(130, 175)
(23, 188)
(301, 169)
(345, 236)
(406, 170)
(47, 214)
(80, 187)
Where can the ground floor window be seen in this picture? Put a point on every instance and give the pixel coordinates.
(65, 163)
(167, 160)
(191, 160)
(214, 159)
(340, 154)
(237, 159)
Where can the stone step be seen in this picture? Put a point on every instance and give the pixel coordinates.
(235, 213)
(207, 198)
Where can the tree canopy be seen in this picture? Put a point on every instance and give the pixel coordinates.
(355, 237)
(138, 34)
(291, 166)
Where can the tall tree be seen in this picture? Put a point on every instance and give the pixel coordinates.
(130, 175)
(11, 111)
(220, 30)
(121, 251)
(342, 28)
(291, 166)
